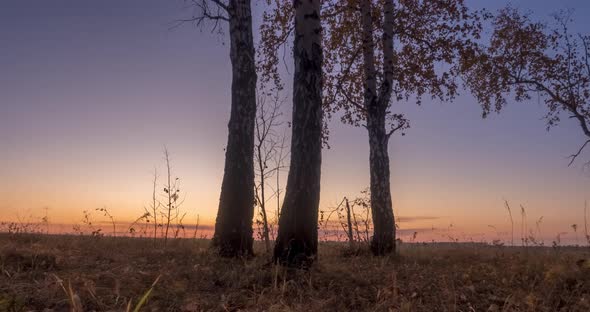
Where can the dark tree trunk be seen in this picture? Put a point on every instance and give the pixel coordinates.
(233, 226)
(383, 241)
(297, 238)
(376, 104)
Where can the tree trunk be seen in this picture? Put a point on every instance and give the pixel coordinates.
(297, 239)
(383, 241)
(233, 226)
(375, 104)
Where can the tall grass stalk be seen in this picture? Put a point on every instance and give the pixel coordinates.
(586, 223)
(511, 222)
(143, 300)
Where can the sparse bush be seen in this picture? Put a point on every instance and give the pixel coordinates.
(353, 221)
(269, 158)
(23, 225)
(172, 201)
(107, 214)
(164, 213)
(87, 225)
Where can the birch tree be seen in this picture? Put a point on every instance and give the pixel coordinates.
(297, 239)
(233, 225)
(377, 53)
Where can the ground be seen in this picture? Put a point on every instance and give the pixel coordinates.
(74, 273)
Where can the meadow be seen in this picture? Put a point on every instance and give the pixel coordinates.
(100, 273)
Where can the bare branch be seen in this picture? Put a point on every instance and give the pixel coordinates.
(220, 4)
(204, 12)
(574, 156)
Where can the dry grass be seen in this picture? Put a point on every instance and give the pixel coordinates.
(106, 274)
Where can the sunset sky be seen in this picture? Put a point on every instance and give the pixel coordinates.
(91, 92)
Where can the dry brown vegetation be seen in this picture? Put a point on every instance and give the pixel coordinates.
(106, 273)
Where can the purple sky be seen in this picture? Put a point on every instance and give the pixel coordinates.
(91, 91)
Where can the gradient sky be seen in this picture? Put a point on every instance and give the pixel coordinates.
(91, 91)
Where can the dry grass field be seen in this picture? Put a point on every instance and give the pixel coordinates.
(82, 273)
